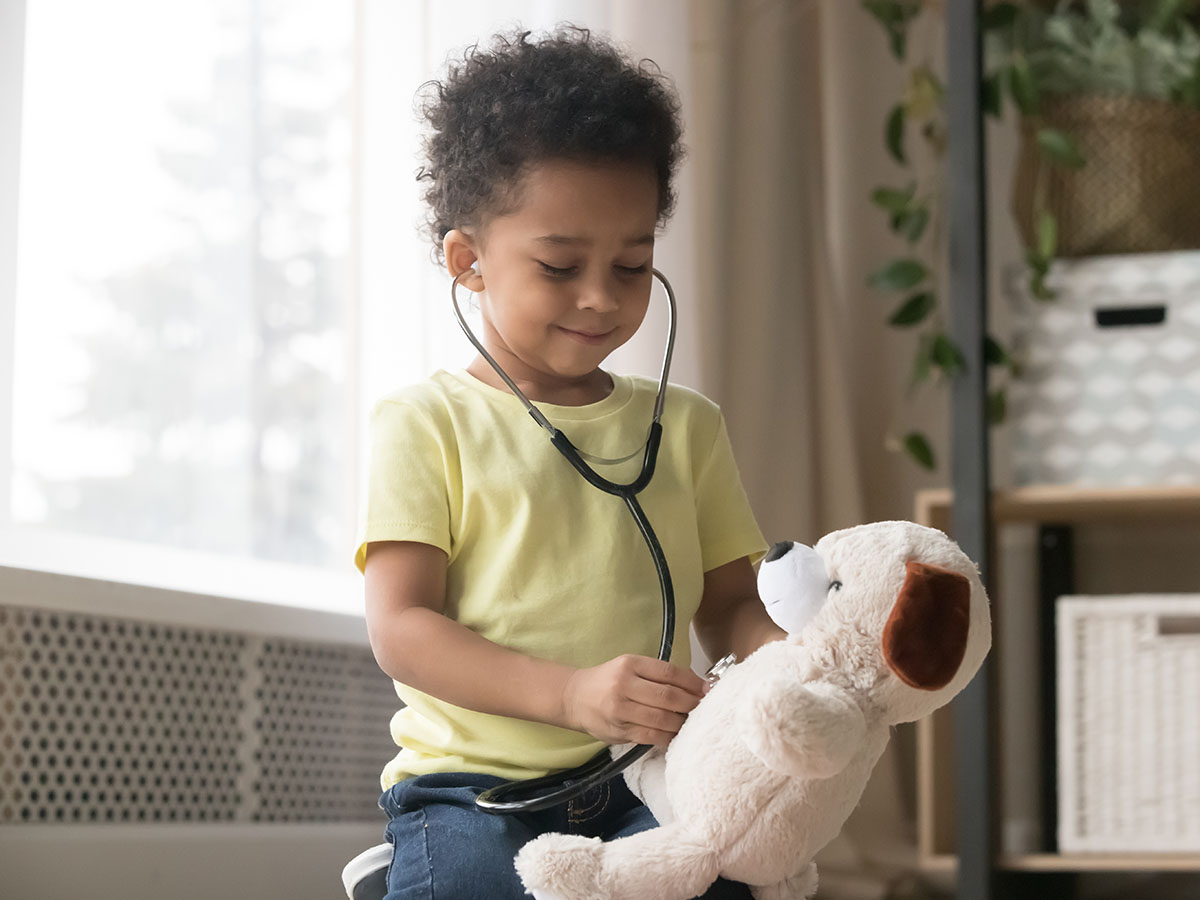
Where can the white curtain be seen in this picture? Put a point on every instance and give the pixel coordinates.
(784, 322)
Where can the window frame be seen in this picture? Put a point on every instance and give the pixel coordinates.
(12, 69)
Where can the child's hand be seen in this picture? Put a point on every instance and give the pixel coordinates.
(635, 699)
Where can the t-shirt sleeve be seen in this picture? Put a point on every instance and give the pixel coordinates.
(727, 527)
(407, 491)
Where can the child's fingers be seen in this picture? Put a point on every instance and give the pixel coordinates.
(665, 673)
(642, 735)
(637, 715)
(631, 698)
(661, 696)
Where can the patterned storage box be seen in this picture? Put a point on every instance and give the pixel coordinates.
(1129, 724)
(1110, 394)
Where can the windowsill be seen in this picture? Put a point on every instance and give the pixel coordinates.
(43, 569)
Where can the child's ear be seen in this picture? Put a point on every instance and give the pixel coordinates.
(461, 256)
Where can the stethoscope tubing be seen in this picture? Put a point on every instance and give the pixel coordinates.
(523, 796)
(659, 400)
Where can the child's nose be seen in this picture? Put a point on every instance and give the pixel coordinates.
(599, 296)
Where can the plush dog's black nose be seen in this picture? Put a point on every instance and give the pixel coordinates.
(778, 550)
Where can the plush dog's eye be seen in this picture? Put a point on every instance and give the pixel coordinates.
(835, 585)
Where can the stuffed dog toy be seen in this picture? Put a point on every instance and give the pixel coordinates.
(887, 622)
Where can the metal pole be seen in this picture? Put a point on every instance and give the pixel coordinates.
(967, 217)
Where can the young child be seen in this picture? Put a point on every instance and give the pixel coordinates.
(516, 606)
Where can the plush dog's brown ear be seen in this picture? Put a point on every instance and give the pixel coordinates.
(926, 635)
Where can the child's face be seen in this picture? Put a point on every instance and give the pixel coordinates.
(566, 277)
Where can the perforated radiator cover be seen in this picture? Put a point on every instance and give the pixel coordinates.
(105, 719)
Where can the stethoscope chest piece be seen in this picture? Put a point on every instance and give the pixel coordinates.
(719, 668)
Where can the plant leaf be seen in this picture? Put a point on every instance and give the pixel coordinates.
(1039, 269)
(1001, 15)
(991, 97)
(894, 134)
(946, 356)
(997, 406)
(934, 131)
(1039, 288)
(914, 310)
(1188, 91)
(994, 353)
(912, 224)
(1023, 86)
(893, 199)
(1047, 235)
(899, 275)
(1060, 147)
(894, 16)
(917, 446)
(1037, 263)
(1163, 14)
(923, 96)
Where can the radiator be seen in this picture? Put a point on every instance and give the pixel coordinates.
(157, 744)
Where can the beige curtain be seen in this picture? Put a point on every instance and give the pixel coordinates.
(785, 116)
(772, 330)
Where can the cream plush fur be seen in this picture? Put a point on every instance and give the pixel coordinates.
(770, 764)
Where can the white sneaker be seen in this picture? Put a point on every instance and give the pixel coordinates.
(365, 876)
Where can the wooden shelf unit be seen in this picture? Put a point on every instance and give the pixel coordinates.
(1075, 862)
(1063, 503)
(1100, 862)
(935, 744)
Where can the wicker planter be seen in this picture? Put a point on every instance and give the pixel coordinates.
(1140, 189)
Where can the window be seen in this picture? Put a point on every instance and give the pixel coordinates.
(184, 290)
(211, 265)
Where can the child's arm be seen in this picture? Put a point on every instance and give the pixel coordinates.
(731, 617)
(629, 699)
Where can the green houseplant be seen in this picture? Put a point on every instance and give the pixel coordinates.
(1108, 96)
(1110, 92)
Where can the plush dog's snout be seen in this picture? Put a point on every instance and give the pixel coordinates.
(778, 550)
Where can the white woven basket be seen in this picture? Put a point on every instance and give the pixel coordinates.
(1129, 723)
(1110, 392)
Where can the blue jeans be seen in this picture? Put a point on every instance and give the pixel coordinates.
(446, 848)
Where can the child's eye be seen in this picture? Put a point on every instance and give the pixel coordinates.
(555, 271)
(634, 270)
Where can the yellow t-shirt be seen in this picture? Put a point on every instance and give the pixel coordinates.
(539, 560)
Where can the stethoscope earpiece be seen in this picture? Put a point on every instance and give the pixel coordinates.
(533, 411)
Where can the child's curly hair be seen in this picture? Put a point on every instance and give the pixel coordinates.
(566, 96)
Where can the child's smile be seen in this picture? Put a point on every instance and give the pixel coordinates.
(592, 339)
(565, 277)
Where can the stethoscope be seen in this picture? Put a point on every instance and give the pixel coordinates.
(559, 787)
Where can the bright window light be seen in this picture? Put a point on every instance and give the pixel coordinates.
(184, 292)
(219, 268)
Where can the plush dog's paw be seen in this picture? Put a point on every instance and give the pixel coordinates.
(800, 886)
(561, 867)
